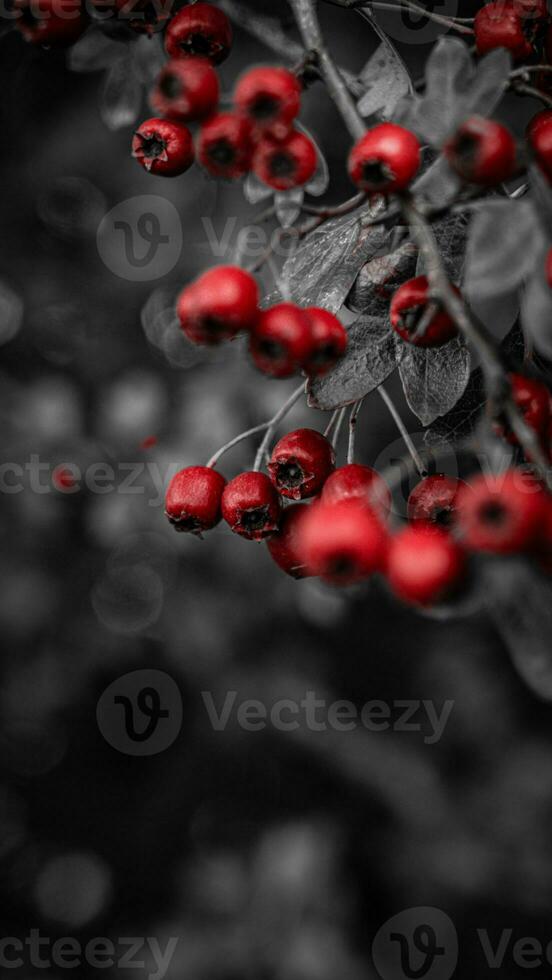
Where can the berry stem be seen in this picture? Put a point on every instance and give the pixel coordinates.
(234, 442)
(331, 423)
(340, 417)
(271, 425)
(352, 429)
(521, 88)
(416, 459)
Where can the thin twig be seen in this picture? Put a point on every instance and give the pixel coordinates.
(280, 414)
(403, 430)
(353, 417)
(331, 423)
(338, 425)
(233, 442)
(522, 89)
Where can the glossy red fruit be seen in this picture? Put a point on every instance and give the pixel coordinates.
(281, 340)
(408, 307)
(300, 463)
(162, 147)
(385, 159)
(356, 482)
(199, 29)
(284, 544)
(47, 22)
(539, 134)
(500, 25)
(542, 118)
(287, 163)
(433, 500)
(342, 543)
(251, 506)
(533, 400)
(425, 564)
(186, 90)
(501, 514)
(225, 147)
(219, 304)
(482, 152)
(193, 499)
(269, 98)
(329, 341)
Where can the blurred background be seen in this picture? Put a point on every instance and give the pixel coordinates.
(267, 853)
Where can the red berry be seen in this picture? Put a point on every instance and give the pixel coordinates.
(218, 304)
(300, 463)
(281, 341)
(501, 514)
(433, 500)
(408, 307)
(193, 498)
(329, 340)
(284, 545)
(163, 148)
(533, 400)
(542, 118)
(251, 506)
(186, 90)
(283, 164)
(424, 564)
(539, 135)
(342, 543)
(385, 159)
(199, 29)
(48, 22)
(482, 152)
(269, 98)
(531, 9)
(356, 482)
(500, 25)
(225, 147)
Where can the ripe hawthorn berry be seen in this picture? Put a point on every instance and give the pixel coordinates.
(286, 163)
(186, 89)
(501, 25)
(193, 499)
(501, 514)
(43, 22)
(342, 543)
(542, 118)
(539, 135)
(269, 98)
(425, 564)
(221, 302)
(163, 148)
(408, 310)
(199, 29)
(433, 500)
(251, 506)
(356, 482)
(224, 147)
(300, 463)
(533, 400)
(385, 159)
(281, 340)
(329, 341)
(482, 152)
(284, 544)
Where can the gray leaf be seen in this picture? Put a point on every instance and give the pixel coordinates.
(488, 86)
(369, 360)
(433, 379)
(501, 248)
(542, 200)
(536, 310)
(379, 278)
(451, 234)
(439, 185)
(121, 97)
(92, 52)
(385, 79)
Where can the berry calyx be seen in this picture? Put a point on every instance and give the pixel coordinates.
(539, 135)
(425, 564)
(186, 89)
(225, 146)
(163, 148)
(532, 398)
(500, 25)
(384, 160)
(300, 463)
(251, 506)
(43, 22)
(482, 152)
(501, 514)
(281, 340)
(433, 500)
(329, 341)
(342, 543)
(284, 545)
(356, 482)
(286, 163)
(269, 98)
(193, 499)
(220, 303)
(409, 312)
(199, 29)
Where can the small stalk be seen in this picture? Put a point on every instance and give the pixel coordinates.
(416, 459)
(280, 414)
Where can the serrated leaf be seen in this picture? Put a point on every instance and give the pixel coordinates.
(385, 80)
(92, 52)
(451, 234)
(121, 97)
(288, 206)
(433, 379)
(488, 87)
(379, 278)
(502, 243)
(536, 310)
(368, 361)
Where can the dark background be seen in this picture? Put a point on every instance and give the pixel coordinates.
(269, 854)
